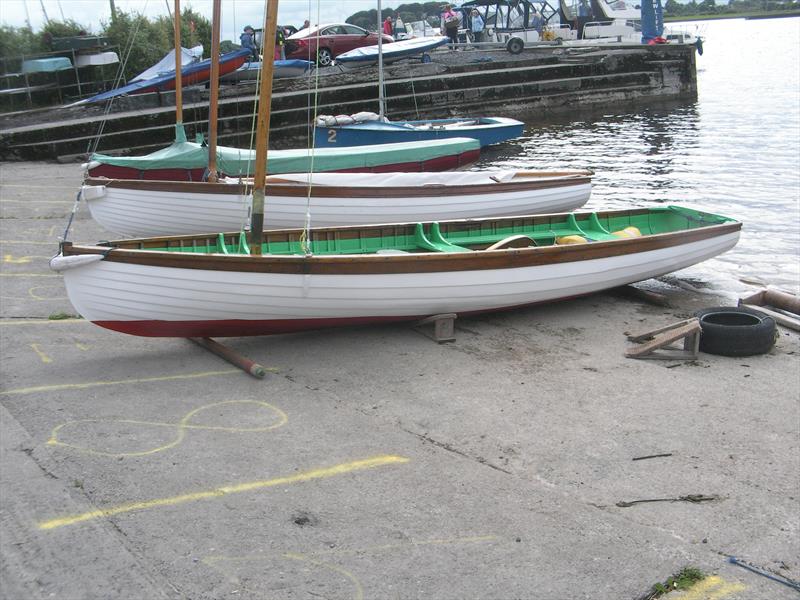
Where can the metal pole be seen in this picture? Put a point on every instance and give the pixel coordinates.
(214, 93)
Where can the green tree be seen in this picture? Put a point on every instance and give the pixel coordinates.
(18, 41)
(141, 42)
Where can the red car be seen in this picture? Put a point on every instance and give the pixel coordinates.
(323, 43)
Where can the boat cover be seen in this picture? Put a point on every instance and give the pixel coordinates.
(234, 161)
(167, 64)
(392, 51)
(157, 82)
(46, 65)
(390, 180)
(95, 60)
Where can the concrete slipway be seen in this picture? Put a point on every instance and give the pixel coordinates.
(372, 462)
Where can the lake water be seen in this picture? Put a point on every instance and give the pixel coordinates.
(735, 151)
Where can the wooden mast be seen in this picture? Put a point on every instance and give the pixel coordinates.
(180, 134)
(262, 127)
(213, 92)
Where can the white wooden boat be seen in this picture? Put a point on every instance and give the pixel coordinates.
(152, 208)
(201, 286)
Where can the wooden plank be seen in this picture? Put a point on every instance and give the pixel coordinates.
(650, 334)
(678, 331)
(780, 318)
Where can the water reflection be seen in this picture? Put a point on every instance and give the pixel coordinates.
(735, 151)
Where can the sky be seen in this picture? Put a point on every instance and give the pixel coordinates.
(235, 13)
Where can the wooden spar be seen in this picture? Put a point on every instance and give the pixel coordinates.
(178, 68)
(381, 99)
(233, 357)
(262, 127)
(213, 93)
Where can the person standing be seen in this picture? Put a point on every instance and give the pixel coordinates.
(387, 25)
(476, 26)
(450, 24)
(537, 22)
(248, 40)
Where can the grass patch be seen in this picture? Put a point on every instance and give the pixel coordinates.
(682, 580)
(60, 316)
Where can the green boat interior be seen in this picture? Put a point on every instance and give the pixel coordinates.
(457, 236)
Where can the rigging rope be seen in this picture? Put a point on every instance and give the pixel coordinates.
(305, 236)
(93, 143)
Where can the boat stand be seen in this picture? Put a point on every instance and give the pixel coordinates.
(233, 357)
(443, 327)
(663, 338)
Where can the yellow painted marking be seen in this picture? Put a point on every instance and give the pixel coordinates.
(181, 427)
(42, 322)
(50, 243)
(9, 258)
(26, 201)
(218, 562)
(442, 542)
(42, 356)
(32, 187)
(359, 589)
(90, 384)
(35, 296)
(323, 473)
(711, 588)
(82, 347)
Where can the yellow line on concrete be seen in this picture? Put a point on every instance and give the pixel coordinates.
(359, 589)
(181, 427)
(26, 201)
(50, 243)
(90, 384)
(711, 588)
(323, 473)
(31, 187)
(405, 545)
(42, 356)
(41, 321)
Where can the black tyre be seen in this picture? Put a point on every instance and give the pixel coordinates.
(324, 57)
(515, 45)
(735, 331)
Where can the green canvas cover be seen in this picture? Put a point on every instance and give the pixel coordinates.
(234, 162)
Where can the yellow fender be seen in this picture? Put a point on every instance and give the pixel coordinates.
(571, 239)
(628, 232)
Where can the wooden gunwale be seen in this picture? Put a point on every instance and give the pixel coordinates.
(299, 190)
(369, 264)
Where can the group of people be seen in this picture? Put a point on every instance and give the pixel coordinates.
(248, 40)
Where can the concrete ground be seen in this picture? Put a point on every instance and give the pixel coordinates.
(374, 463)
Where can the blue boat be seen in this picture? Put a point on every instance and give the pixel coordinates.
(487, 130)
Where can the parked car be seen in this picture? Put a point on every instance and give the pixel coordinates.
(324, 43)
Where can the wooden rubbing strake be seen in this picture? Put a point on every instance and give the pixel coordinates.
(662, 338)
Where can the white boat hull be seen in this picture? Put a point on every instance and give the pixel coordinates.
(131, 212)
(168, 301)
